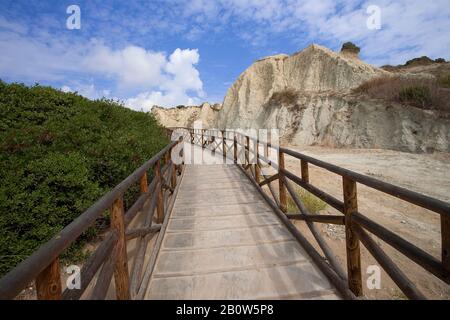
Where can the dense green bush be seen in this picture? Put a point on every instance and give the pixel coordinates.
(351, 47)
(59, 152)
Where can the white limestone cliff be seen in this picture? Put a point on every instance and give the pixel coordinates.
(322, 109)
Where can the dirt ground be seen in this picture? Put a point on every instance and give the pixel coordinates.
(425, 173)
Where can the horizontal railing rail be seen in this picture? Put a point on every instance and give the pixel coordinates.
(110, 257)
(357, 225)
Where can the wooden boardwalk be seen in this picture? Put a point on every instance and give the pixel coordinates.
(223, 241)
(221, 231)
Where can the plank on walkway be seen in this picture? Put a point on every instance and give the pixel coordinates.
(224, 242)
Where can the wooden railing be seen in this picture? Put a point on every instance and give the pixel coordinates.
(357, 225)
(110, 258)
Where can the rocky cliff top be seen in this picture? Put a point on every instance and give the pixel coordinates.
(321, 97)
(185, 116)
(315, 69)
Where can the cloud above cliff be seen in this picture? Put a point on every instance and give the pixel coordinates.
(163, 79)
(408, 28)
(146, 53)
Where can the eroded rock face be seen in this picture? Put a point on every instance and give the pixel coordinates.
(313, 70)
(348, 120)
(185, 116)
(309, 97)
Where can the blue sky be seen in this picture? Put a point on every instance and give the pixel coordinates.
(186, 52)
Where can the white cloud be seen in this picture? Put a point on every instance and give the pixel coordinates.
(146, 100)
(143, 77)
(66, 89)
(409, 28)
(87, 90)
(131, 66)
(12, 26)
(161, 79)
(171, 78)
(181, 67)
(35, 58)
(182, 77)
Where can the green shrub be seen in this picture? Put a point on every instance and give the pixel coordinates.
(310, 201)
(59, 152)
(421, 61)
(416, 96)
(445, 81)
(350, 47)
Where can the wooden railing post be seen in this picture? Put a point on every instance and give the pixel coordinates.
(121, 276)
(173, 178)
(247, 150)
(202, 130)
(167, 162)
(224, 147)
(235, 148)
(305, 171)
(144, 183)
(257, 172)
(266, 145)
(445, 236)
(281, 186)
(351, 238)
(48, 282)
(159, 190)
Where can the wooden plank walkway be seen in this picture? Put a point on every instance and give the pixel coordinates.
(223, 241)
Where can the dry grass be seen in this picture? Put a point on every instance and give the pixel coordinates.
(445, 81)
(288, 96)
(310, 201)
(422, 93)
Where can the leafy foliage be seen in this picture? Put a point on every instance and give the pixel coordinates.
(351, 47)
(59, 152)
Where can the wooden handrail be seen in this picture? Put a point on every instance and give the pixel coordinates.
(419, 256)
(413, 197)
(111, 256)
(43, 265)
(355, 223)
(92, 265)
(397, 275)
(333, 219)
